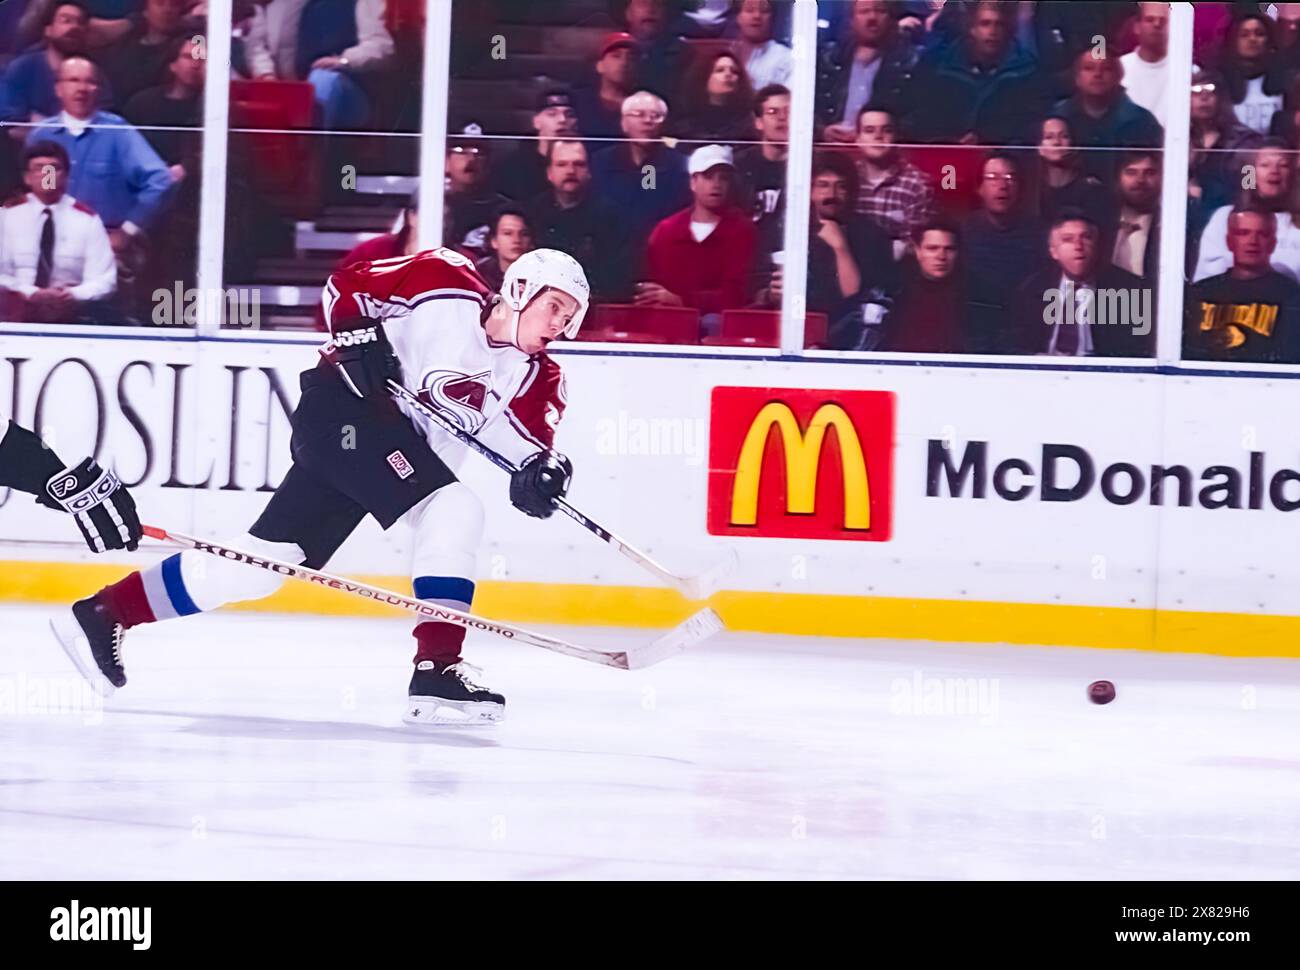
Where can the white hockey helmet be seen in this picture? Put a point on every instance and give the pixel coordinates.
(533, 272)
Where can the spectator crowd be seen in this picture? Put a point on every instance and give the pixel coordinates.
(964, 152)
(101, 101)
(1243, 212)
(977, 165)
(101, 107)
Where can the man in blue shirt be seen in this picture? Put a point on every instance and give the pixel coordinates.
(641, 177)
(115, 171)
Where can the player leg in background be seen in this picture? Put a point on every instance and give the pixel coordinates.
(351, 457)
(341, 470)
(305, 522)
(448, 530)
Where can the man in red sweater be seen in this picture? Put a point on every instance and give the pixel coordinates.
(700, 257)
(929, 314)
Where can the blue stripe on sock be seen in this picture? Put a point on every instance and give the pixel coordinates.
(176, 591)
(452, 588)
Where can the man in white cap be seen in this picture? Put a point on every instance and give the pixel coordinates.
(700, 257)
(467, 190)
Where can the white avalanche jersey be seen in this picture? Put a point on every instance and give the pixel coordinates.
(431, 305)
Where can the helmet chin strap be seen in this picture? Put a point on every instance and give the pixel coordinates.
(512, 328)
(512, 334)
(515, 317)
(512, 321)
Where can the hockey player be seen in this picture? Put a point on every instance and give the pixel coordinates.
(478, 356)
(101, 506)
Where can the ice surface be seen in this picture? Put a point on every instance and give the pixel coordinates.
(256, 746)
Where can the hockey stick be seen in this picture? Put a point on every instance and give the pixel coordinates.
(692, 587)
(699, 626)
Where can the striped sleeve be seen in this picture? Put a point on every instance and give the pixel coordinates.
(381, 289)
(539, 405)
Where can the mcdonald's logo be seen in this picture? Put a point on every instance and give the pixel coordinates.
(801, 464)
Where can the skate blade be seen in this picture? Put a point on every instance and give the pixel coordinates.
(439, 711)
(68, 632)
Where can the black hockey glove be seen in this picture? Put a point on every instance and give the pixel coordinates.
(364, 357)
(539, 481)
(103, 508)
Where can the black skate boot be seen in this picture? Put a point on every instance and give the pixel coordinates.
(91, 636)
(444, 694)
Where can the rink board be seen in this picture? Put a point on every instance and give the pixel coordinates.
(963, 542)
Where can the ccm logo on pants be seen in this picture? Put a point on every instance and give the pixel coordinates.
(400, 465)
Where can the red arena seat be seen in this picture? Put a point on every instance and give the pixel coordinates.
(955, 169)
(642, 324)
(282, 164)
(762, 328)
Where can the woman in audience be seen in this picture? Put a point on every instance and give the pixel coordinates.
(1214, 173)
(1270, 174)
(1062, 182)
(717, 102)
(1251, 70)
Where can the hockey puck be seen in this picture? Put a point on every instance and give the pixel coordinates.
(1101, 692)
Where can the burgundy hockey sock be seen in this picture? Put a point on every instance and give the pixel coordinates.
(150, 595)
(441, 642)
(128, 600)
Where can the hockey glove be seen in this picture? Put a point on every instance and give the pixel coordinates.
(364, 358)
(103, 508)
(539, 481)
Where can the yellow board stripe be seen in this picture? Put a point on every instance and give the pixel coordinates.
(797, 614)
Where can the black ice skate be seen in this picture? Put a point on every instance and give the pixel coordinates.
(445, 695)
(91, 636)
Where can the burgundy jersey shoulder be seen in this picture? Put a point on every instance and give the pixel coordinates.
(383, 288)
(539, 405)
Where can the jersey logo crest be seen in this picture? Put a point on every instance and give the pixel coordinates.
(471, 391)
(459, 396)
